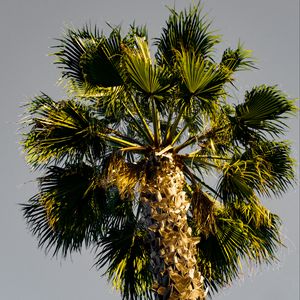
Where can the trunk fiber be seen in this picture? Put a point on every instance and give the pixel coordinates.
(173, 248)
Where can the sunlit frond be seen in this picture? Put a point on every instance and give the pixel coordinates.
(145, 74)
(65, 130)
(237, 60)
(201, 78)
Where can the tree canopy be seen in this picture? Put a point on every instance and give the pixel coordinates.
(124, 111)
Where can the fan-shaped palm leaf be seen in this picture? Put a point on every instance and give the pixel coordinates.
(89, 59)
(146, 75)
(185, 30)
(69, 210)
(263, 110)
(65, 130)
(201, 78)
(126, 252)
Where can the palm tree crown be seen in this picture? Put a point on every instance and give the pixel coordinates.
(130, 124)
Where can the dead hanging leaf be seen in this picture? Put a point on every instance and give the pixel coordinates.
(161, 291)
(203, 209)
(124, 175)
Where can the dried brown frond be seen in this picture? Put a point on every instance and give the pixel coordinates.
(124, 175)
(203, 209)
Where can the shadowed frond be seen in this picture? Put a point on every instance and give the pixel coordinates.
(273, 163)
(69, 210)
(126, 252)
(266, 168)
(88, 59)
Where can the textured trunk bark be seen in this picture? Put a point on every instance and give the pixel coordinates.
(173, 249)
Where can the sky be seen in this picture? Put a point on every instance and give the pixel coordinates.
(27, 30)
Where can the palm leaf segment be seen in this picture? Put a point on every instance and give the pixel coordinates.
(127, 108)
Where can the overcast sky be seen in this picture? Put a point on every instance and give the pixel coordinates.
(27, 30)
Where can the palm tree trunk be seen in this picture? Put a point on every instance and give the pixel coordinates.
(173, 249)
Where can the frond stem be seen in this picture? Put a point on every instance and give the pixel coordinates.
(156, 123)
(143, 120)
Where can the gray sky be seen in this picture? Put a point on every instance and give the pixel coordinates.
(27, 29)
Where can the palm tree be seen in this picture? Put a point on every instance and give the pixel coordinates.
(147, 160)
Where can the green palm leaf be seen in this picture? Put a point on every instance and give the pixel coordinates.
(69, 210)
(263, 110)
(126, 252)
(88, 59)
(201, 77)
(238, 59)
(185, 30)
(243, 232)
(60, 131)
(142, 71)
(273, 164)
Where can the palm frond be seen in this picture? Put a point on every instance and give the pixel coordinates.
(135, 31)
(238, 59)
(146, 75)
(65, 130)
(273, 163)
(266, 167)
(88, 59)
(70, 209)
(126, 252)
(262, 111)
(188, 30)
(237, 181)
(243, 233)
(201, 78)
